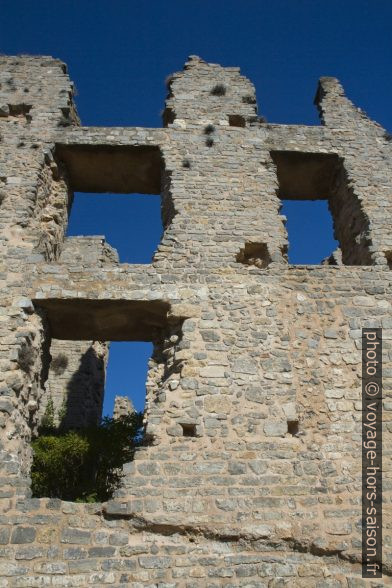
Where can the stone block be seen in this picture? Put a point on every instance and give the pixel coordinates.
(71, 535)
(23, 535)
(275, 428)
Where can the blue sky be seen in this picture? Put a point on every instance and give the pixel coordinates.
(119, 53)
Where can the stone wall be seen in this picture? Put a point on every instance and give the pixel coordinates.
(67, 544)
(76, 376)
(88, 250)
(76, 382)
(251, 471)
(122, 407)
(77, 369)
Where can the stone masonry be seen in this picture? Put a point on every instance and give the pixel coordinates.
(122, 407)
(77, 369)
(251, 470)
(76, 382)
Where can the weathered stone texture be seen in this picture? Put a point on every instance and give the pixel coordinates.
(76, 382)
(88, 251)
(251, 473)
(122, 407)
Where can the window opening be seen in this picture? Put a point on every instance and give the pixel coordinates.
(310, 231)
(131, 223)
(321, 177)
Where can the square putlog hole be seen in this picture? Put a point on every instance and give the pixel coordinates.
(236, 120)
(188, 430)
(256, 254)
(293, 428)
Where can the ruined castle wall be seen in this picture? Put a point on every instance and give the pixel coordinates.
(76, 382)
(36, 98)
(91, 250)
(122, 407)
(76, 377)
(250, 475)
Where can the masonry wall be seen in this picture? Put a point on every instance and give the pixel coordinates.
(77, 369)
(76, 382)
(257, 359)
(123, 407)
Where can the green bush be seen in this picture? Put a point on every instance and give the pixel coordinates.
(59, 364)
(26, 358)
(84, 465)
(47, 422)
(218, 90)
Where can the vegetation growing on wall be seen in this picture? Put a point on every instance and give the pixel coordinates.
(59, 364)
(83, 465)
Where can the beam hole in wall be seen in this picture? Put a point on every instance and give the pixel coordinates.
(321, 182)
(293, 428)
(16, 110)
(188, 430)
(255, 254)
(236, 120)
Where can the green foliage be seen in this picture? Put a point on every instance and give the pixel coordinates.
(218, 90)
(47, 422)
(209, 129)
(59, 364)
(26, 358)
(59, 464)
(63, 409)
(84, 465)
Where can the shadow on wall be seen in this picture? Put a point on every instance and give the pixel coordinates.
(83, 401)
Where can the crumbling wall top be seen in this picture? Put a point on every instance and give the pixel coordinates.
(207, 92)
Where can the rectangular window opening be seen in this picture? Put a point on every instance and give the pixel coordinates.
(88, 380)
(89, 419)
(120, 194)
(129, 223)
(325, 220)
(310, 232)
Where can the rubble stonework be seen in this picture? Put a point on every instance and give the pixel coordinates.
(76, 382)
(122, 407)
(251, 471)
(77, 369)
